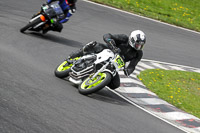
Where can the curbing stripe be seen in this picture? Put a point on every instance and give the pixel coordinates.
(133, 76)
(134, 90)
(147, 102)
(177, 68)
(150, 112)
(139, 68)
(159, 66)
(136, 72)
(198, 129)
(129, 80)
(163, 108)
(144, 65)
(191, 123)
(153, 101)
(176, 116)
(121, 73)
(198, 71)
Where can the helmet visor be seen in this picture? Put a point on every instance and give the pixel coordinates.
(139, 45)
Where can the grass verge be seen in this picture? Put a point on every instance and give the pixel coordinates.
(184, 13)
(180, 88)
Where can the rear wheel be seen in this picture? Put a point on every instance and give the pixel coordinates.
(89, 85)
(62, 70)
(31, 24)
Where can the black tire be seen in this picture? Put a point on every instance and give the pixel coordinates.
(101, 85)
(32, 24)
(62, 71)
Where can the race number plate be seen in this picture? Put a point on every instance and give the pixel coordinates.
(119, 61)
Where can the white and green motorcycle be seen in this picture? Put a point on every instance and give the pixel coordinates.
(91, 72)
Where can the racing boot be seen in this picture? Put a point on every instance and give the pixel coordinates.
(46, 28)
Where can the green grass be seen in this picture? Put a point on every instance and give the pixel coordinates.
(182, 89)
(184, 13)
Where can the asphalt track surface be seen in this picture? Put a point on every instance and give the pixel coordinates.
(33, 100)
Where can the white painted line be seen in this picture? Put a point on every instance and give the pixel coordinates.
(129, 80)
(153, 101)
(192, 130)
(176, 116)
(198, 71)
(198, 129)
(139, 68)
(145, 66)
(136, 72)
(133, 76)
(134, 90)
(142, 17)
(177, 68)
(121, 72)
(159, 66)
(136, 105)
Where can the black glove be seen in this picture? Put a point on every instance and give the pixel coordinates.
(113, 47)
(112, 43)
(116, 50)
(92, 44)
(126, 72)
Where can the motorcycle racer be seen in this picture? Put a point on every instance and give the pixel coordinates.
(130, 48)
(68, 7)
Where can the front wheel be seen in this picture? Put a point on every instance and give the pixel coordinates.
(62, 70)
(89, 85)
(29, 25)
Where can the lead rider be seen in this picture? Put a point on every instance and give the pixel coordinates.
(130, 48)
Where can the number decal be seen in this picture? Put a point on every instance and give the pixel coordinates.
(119, 61)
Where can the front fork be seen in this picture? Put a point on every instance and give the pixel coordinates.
(100, 70)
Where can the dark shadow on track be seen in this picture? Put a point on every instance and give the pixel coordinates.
(56, 39)
(103, 95)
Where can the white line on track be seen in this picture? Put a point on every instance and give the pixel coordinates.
(144, 65)
(177, 116)
(139, 68)
(136, 72)
(129, 80)
(135, 90)
(177, 68)
(152, 101)
(159, 66)
(198, 71)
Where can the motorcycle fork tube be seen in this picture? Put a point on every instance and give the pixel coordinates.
(39, 24)
(35, 18)
(100, 70)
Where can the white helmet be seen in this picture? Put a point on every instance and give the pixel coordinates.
(137, 39)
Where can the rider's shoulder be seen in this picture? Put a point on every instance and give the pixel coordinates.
(140, 53)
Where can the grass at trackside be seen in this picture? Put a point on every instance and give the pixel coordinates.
(184, 13)
(182, 89)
